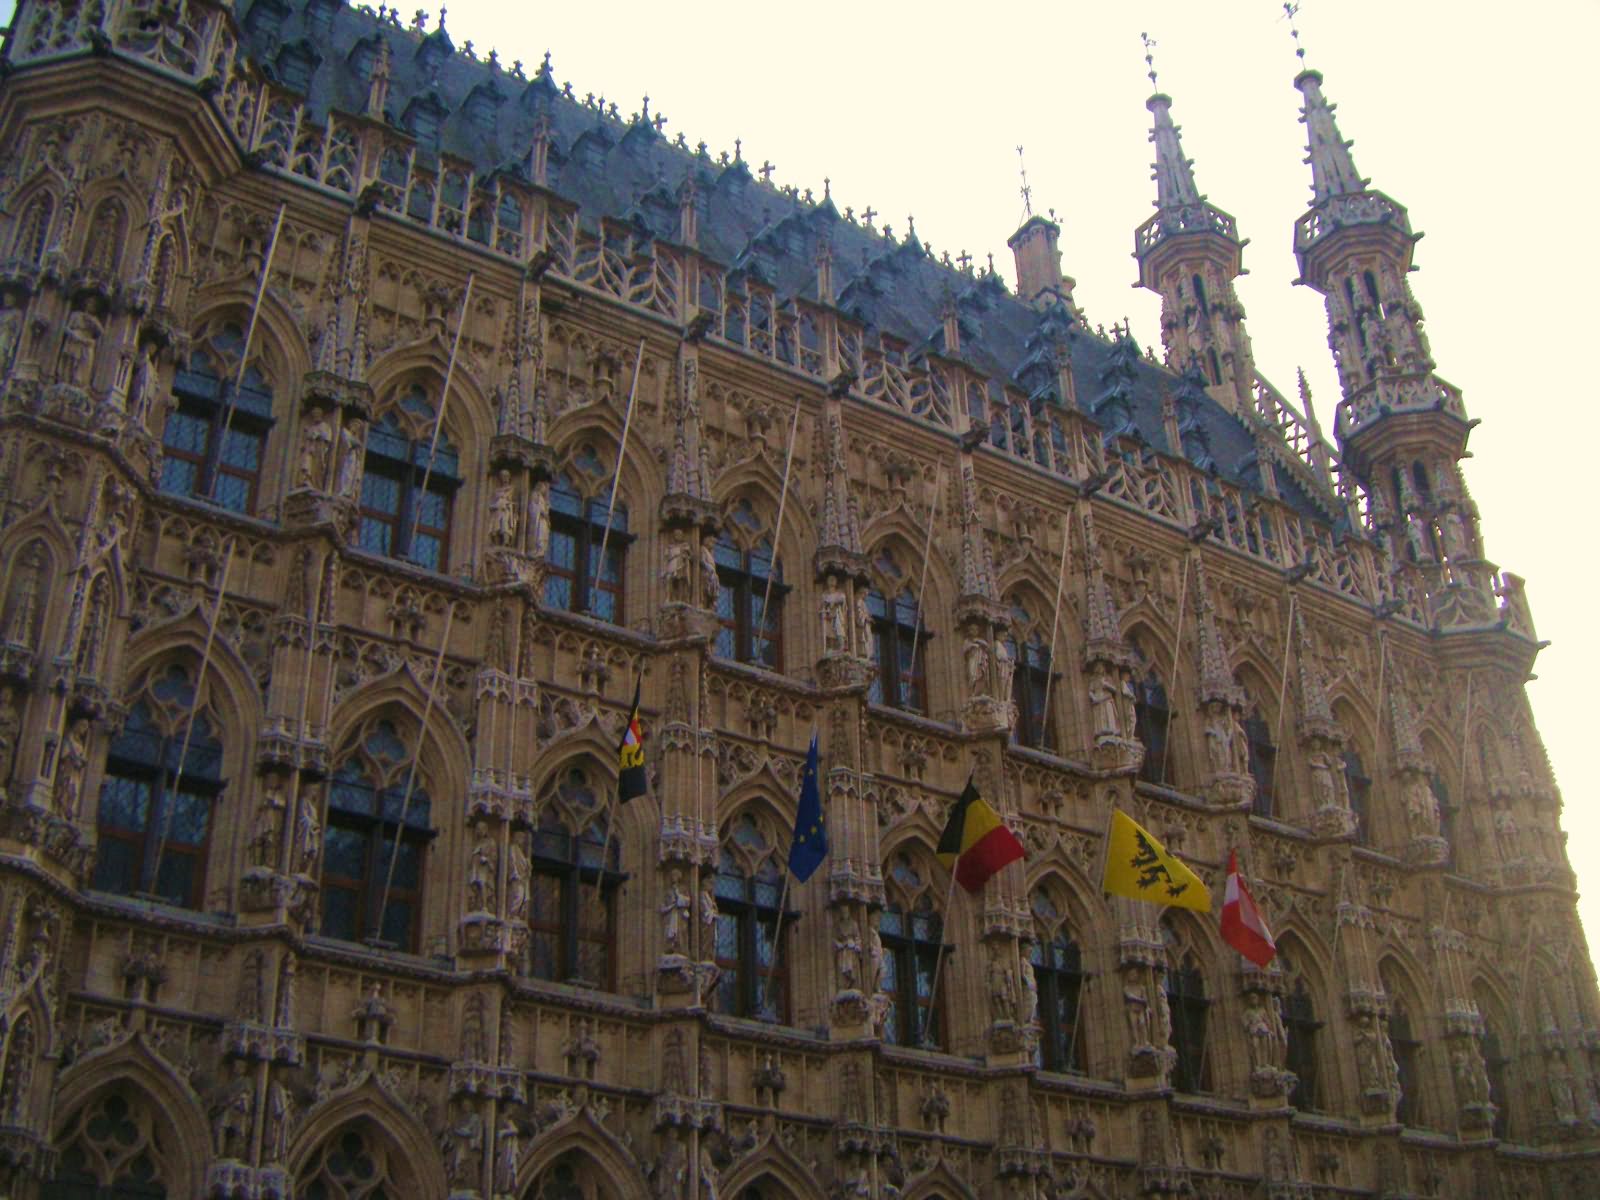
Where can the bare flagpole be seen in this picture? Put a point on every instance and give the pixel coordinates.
(938, 963)
(1283, 692)
(1177, 654)
(783, 497)
(438, 420)
(922, 585)
(611, 501)
(1055, 626)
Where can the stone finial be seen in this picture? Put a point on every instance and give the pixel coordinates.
(1173, 173)
(1333, 170)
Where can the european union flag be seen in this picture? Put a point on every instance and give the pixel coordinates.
(809, 845)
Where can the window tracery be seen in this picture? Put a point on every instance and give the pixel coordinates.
(156, 800)
(911, 927)
(1405, 1044)
(198, 461)
(406, 492)
(351, 1165)
(748, 574)
(111, 1150)
(32, 238)
(574, 579)
(1057, 962)
(901, 640)
(368, 814)
(573, 1176)
(1029, 647)
(748, 886)
(1185, 986)
(1301, 1027)
(570, 901)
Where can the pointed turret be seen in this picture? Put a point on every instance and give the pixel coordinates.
(1401, 429)
(1190, 253)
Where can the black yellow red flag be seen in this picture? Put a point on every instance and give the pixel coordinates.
(976, 843)
(631, 781)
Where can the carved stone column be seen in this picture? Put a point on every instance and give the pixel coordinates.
(1228, 782)
(1109, 664)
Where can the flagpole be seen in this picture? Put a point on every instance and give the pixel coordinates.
(1055, 628)
(1283, 691)
(938, 962)
(777, 941)
(611, 820)
(622, 454)
(922, 585)
(1177, 654)
(438, 421)
(783, 498)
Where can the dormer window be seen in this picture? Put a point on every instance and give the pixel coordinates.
(296, 64)
(482, 108)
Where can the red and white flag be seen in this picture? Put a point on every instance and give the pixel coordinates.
(1242, 925)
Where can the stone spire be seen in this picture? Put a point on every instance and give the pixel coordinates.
(688, 500)
(977, 560)
(839, 548)
(1174, 174)
(1190, 253)
(1333, 170)
(1216, 680)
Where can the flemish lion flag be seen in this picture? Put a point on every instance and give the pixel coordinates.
(975, 842)
(631, 782)
(1139, 867)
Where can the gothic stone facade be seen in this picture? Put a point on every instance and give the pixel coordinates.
(316, 649)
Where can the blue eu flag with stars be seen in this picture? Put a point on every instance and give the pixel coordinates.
(810, 843)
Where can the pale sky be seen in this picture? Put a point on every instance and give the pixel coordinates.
(1468, 114)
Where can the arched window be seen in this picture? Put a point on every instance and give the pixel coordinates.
(574, 579)
(405, 500)
(573, 1176)
(1302, 1027)
(1263, 756)
(154, 821)
(745, 568)
(902, 652)
(571, 902)
(1406, 1046)
(911, 929)
(111, 1150)
(1186, 999)
(1358, 784)
(368, 814)
(749, 883)
(352, 1164)
(196, 461)
(1152, 716)
(1030, 680)
(1058, 973)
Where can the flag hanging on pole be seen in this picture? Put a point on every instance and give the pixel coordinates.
(1139, 867)
(631, 781)
(975, 842)
(809, 845)
(1242, 925)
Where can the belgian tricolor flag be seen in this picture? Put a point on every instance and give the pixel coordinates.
(976, 843)
(631, 781)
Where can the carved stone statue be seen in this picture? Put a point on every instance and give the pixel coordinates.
(70, 772)
(351, 460)
(481, 872)
(463, 1147)
(1323, 793)
(539, 520)
(847, 953)
(1261, 1033)
(1453, 533)
(308, 832)
(517, 869)
(1422, 807)
(503, 511)
(874, 959)
(267, 833)
(316, 444)
(1103, 707)
(676, 574)
(1219, 738)
(1029, 1012)
(1372, 1055)
(280, 1114)
(10, 335)
(1559, 1080)
(232, 1112)
(141, 386)
(833, 622)
(77, 349)
(675, 915)
(708, 916)
(866, 644)
(672, 1170)
(1466, 1068)
(10, 730)
(1002, 986)
(1161, 1027)
(1507, 836)
(976, 655)
(1136, 1006)
(709, 1178)
(710, 585)
(1005, 667)
(507, 1148)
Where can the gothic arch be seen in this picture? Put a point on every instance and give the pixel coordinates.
(470, 414)
(582, 1133)
(37, 550)
(897, 532)
(282, 345)
(771, 1166)
(39, 209)
(183, 640)
(757, 477)
(108, 230)
(374, 1109)
(642, 482)
(442, 746)
(1082, 901)
(762, 790)
(916, 835)
(177, 1111)
(1029, 575)
(939, 1183)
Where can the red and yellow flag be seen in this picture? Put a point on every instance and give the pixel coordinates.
(976, 843)
(631, 781)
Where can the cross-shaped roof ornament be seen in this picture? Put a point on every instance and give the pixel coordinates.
(766, 170)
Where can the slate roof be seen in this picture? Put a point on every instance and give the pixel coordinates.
(622, 167)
